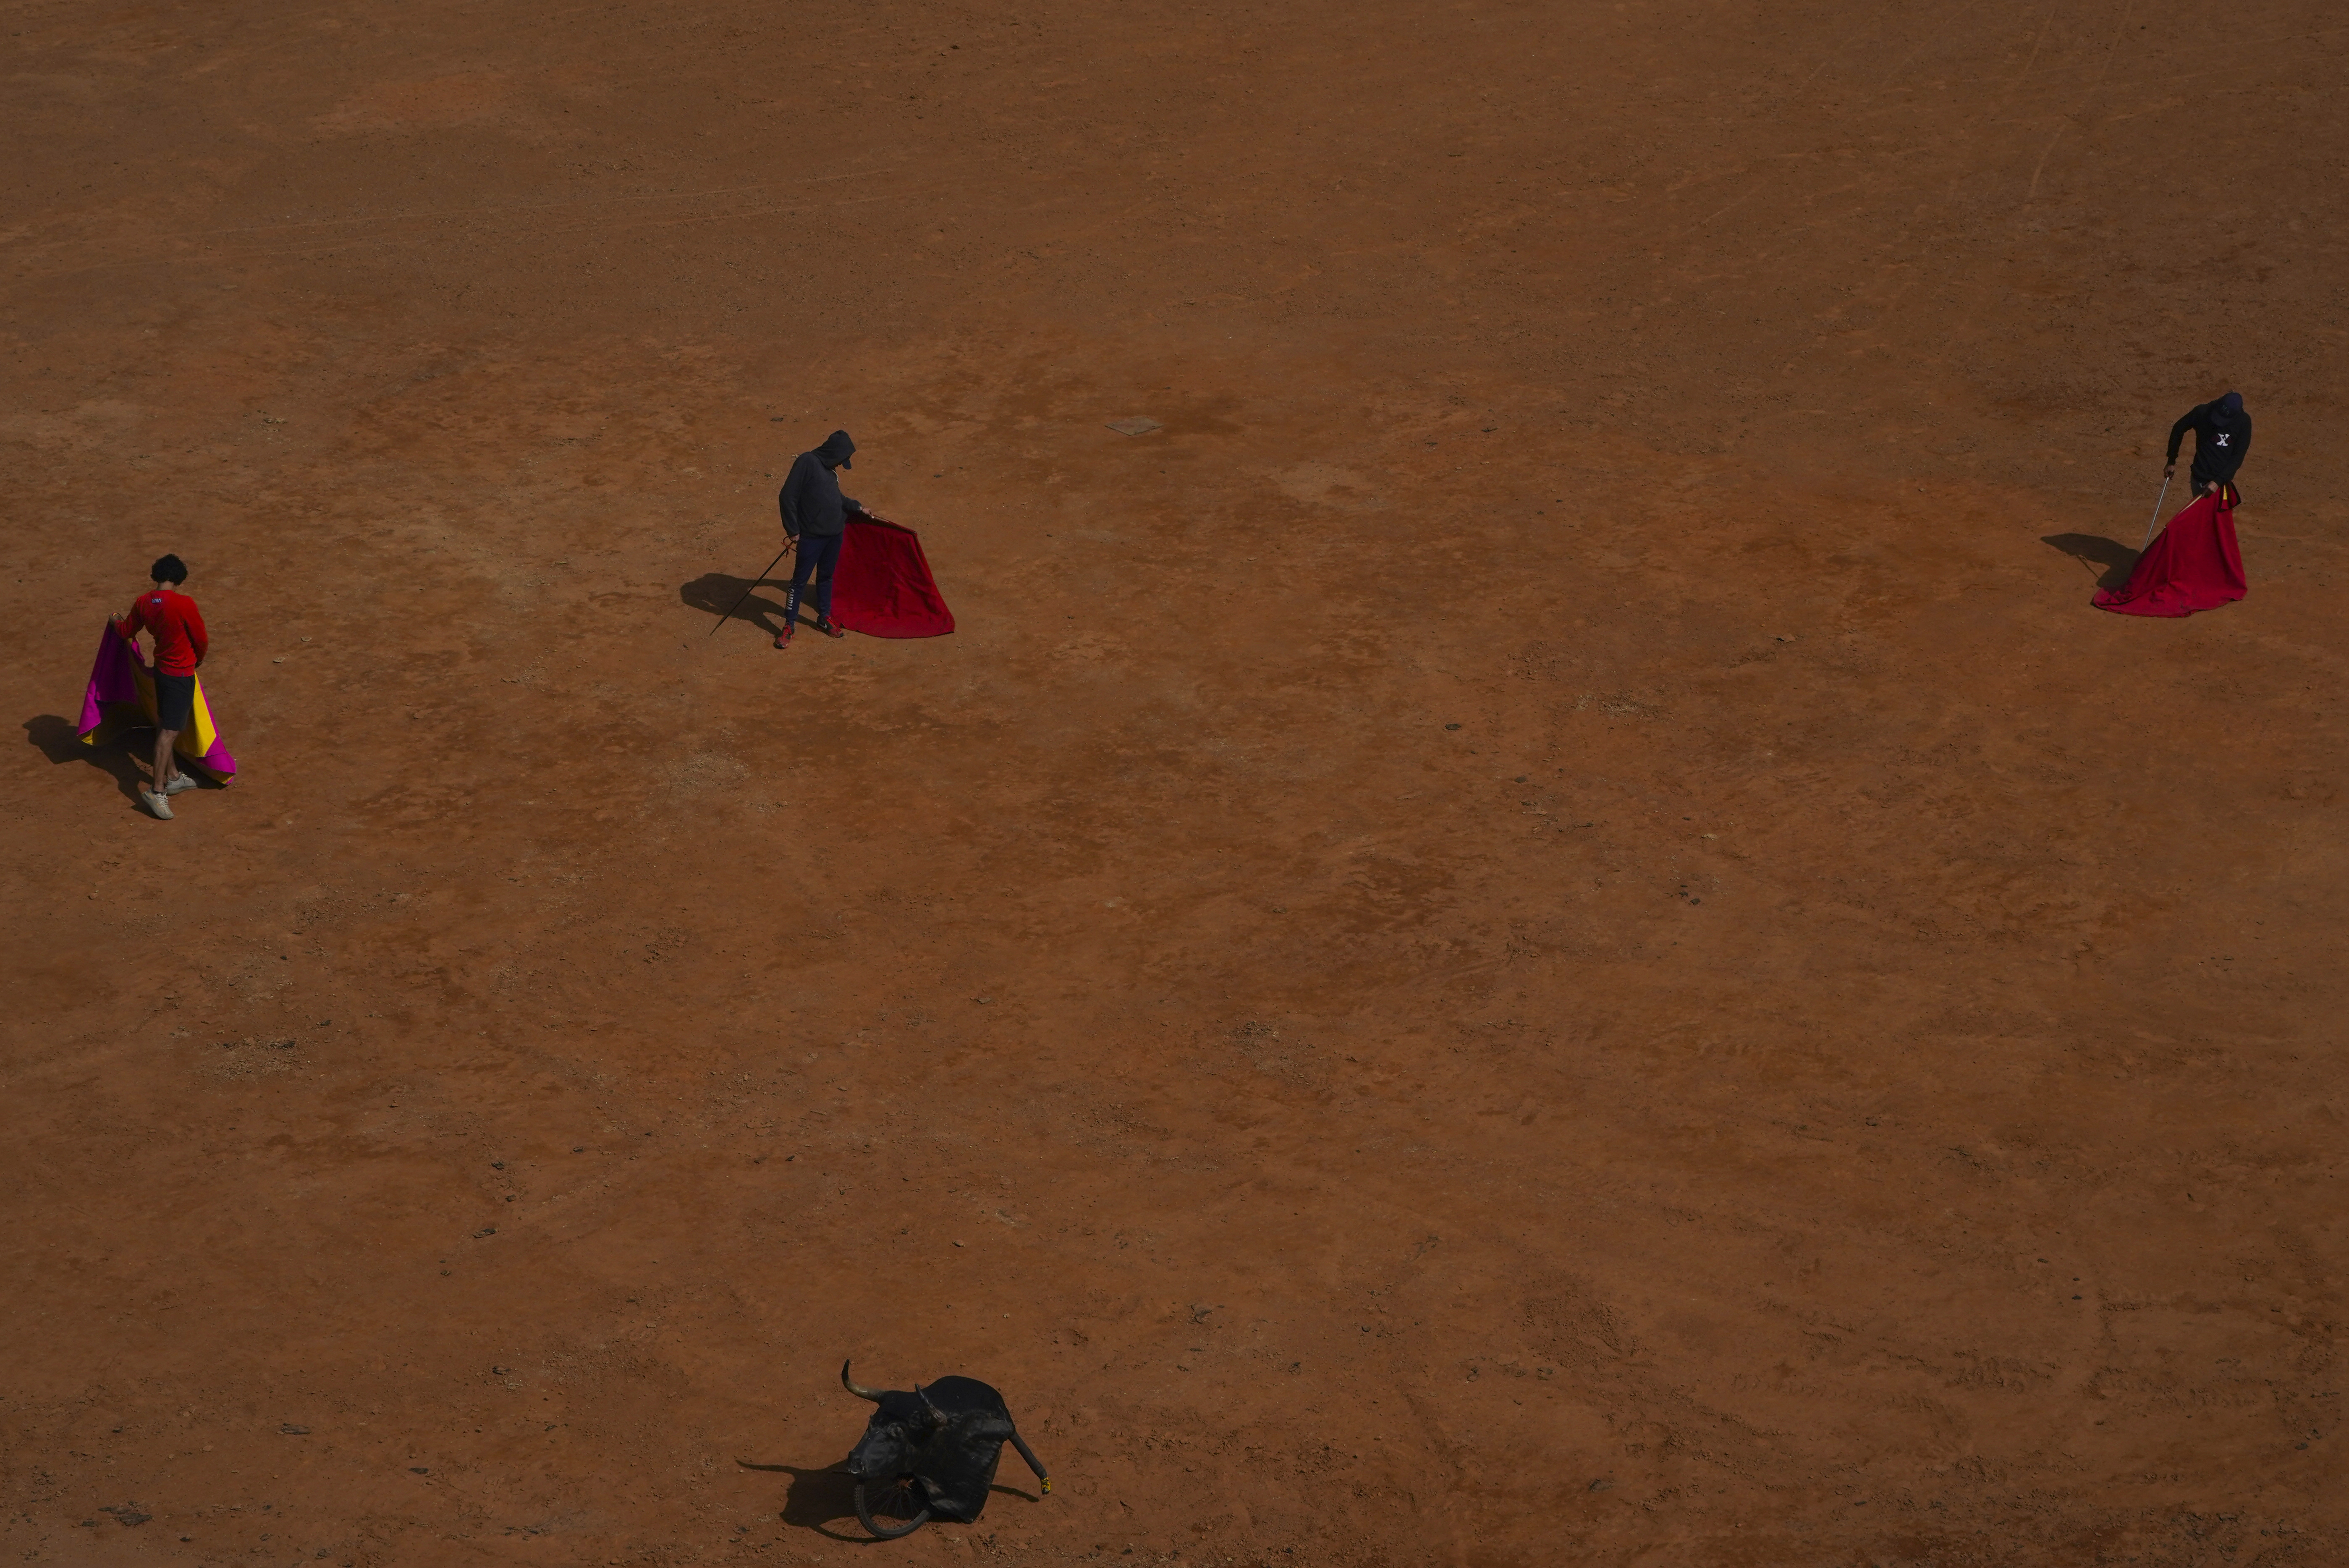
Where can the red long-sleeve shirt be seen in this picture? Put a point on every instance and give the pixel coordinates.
(179, 630)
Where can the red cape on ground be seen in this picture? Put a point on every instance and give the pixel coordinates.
(2193, 565)
(883, 585)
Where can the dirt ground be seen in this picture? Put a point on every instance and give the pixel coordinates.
(1546, 931)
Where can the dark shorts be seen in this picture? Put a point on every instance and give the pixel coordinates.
(175, 700)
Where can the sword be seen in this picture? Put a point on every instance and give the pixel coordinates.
(2155, 517)
(770, 572)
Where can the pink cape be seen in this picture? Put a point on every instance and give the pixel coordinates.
(2193, 565)
(883, 585)
(120, 680)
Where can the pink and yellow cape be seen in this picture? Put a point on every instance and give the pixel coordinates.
(120, 680)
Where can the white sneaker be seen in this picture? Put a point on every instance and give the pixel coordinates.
(184, 782)
(156, 803)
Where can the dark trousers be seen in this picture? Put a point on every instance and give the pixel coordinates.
(2206, 480)
(819, 555)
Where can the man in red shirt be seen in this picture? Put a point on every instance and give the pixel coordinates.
(169, 618)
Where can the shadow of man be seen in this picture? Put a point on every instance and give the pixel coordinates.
(2108, 556)
(715, 593)
(61, 743)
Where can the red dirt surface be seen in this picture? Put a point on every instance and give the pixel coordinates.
(1545, 931)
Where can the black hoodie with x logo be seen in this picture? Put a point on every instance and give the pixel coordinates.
(2222, 434)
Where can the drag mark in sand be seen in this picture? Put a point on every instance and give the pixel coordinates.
(2006, 97)
(1932, 35)
(2044, 153)
(2104, 73)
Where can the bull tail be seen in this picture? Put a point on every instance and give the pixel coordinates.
(1029, 1455)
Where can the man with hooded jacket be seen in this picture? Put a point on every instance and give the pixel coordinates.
(2223, 435)
(815, 516)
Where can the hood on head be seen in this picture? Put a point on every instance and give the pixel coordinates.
(836, 449)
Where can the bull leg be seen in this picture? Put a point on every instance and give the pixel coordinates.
(1029, 1455)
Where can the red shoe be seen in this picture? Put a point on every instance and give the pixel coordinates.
(783, 638)
(828, 629)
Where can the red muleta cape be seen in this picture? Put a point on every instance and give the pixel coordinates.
(2195, 564)
(883, 585)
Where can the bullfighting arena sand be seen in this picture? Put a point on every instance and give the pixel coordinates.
(1544, 930)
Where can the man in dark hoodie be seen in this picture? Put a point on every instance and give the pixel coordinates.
(816, 515)
(2223, 435)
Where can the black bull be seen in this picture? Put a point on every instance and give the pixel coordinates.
(946, 1437)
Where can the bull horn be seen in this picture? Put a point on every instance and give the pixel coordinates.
(871, 1394)
(937, 1416)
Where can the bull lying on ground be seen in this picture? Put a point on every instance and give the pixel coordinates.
(931, 1454)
